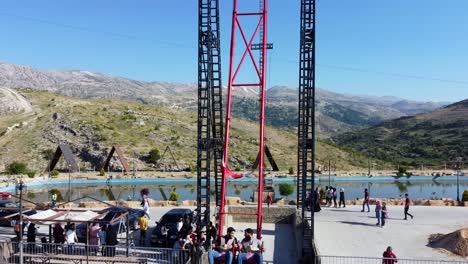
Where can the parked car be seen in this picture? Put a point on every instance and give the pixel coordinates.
(114, 212)
(165, 233)
(8, 207)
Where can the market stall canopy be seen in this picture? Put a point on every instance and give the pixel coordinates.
(51, 216)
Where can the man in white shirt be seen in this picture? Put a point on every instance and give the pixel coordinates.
(180, 224)
(71, 238)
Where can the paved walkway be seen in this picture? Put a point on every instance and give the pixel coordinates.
(349, 232)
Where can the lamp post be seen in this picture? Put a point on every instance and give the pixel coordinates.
(69, 183)
(458, 165)
(20, 187)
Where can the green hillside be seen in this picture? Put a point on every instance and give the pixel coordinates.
(91, 127)
(432, 138)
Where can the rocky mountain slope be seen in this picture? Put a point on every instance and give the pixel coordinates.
(429, 138)
(92, 126)
(336, 113)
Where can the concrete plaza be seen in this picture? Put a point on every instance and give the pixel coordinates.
(350, 232)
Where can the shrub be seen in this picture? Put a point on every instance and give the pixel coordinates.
(31, 174)
(238, 168)
(286, 189)
(17, 168)
(54, 173)
(465, 196)
(174, 197)
(403, 170)
(154, 155)
(291, 170)
(102, 172)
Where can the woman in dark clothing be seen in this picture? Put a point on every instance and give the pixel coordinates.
(342, 199)
(31, 237)
(317, 200)
(111, 240)
(58, 234)
(334, 197)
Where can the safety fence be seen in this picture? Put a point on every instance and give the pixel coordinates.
(371, 260)
(79, 253)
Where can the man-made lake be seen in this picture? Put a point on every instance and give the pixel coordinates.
(160, 189)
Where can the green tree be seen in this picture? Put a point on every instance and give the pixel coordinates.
(17, 168)
(154, 155)
(286, 189)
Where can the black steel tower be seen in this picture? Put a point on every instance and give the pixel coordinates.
(210, 113)
(306, 125)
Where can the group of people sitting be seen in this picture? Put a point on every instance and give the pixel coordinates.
(226, 248)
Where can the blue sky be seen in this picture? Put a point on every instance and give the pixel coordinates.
(414, 49)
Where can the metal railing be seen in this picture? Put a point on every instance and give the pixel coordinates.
(373, 260)
(80, 253)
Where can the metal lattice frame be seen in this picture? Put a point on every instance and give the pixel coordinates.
(210, 123)
(306, 126)
(260, 71)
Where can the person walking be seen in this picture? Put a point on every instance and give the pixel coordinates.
(342, 199)
(327, 200)
(378, 211)
(317, 200)
(407, 205)
(58, 234)
(31, 237)
(143, 228)
(269, 199)
(366, 200)
(94, 238)
(389, 257)
(334, 197)
(54, 200)
(330, 196)
(384, 214)
(71, 238)
(145, 205)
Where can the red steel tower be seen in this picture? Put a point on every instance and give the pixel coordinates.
(259, 67)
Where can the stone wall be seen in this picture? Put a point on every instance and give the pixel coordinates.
(274, 214)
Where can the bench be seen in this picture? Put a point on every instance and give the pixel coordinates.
(80, 259)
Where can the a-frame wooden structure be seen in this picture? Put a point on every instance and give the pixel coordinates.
(121, 157)
(67, 155)
(272, 161)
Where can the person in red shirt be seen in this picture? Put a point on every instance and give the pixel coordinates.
(269, 199)
(407, 204)
(389, 256)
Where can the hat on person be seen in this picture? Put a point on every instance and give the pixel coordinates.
(203, 229)
(231, 229)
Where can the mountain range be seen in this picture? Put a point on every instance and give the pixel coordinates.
(336, 113)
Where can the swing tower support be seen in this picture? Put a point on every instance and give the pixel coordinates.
(259, 67)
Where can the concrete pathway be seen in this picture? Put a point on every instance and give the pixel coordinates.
(349, 232)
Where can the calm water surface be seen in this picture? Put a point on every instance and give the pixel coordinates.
(244, 190)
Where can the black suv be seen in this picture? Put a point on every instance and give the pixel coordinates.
(169, 222)
(8, 207)
(113, 212)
